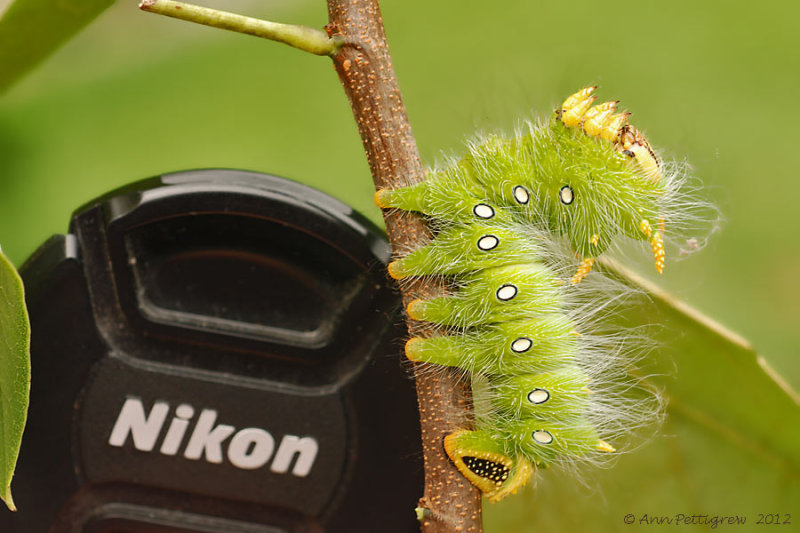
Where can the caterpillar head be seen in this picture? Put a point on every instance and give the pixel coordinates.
(607, 176)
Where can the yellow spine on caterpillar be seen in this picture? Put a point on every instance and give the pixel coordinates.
(600, 121)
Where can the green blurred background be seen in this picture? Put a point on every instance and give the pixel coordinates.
(713, 83)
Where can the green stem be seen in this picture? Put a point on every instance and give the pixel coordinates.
(302, 37)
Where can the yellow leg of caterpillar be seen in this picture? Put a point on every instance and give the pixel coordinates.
(646, 228)
(583, 269)
(596, 117)
(603, 446)
(658, 251)
(661, 225)
(575, 106)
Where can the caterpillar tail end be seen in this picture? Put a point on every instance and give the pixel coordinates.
(494, 473)
(583, 270)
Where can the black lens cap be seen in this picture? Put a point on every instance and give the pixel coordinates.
(216, 350)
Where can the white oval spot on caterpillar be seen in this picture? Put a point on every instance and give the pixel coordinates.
(542, 437)
(522, 344)
(566, 195)
(521, 194)
(484, 211)
(537, 396)
(488, 242)
(506, 292)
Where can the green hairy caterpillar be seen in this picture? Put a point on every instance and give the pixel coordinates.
(510, 218)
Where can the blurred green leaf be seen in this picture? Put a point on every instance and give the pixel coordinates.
(15, 373)
(30, 30)
(730, 445)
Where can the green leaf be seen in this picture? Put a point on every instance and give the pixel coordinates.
(30, 30)
(15, 373)
(730, 445)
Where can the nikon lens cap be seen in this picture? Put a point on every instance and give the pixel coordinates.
(216, 351)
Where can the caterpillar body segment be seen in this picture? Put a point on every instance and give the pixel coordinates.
(450, 198)
(474, 247)
(496, 294)
(553, 177)
(543, 343)
(551, 439)
(561, 394)
(516, 310)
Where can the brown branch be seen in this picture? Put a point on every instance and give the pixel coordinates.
(450, 502)
(357, 44)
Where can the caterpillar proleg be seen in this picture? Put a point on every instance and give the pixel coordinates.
(519, 223)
